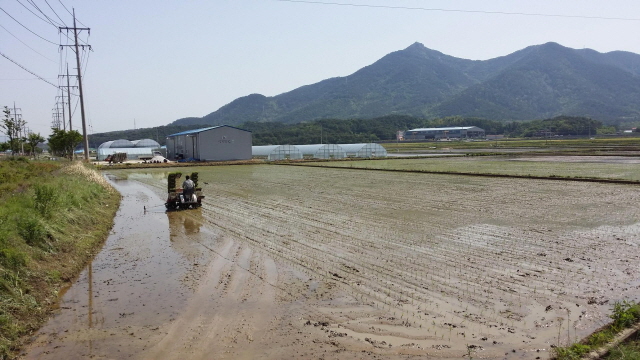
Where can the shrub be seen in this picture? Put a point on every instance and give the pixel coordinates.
(625, 314)
(574, 352)
(600, 338)
(32, 231)
(46, 199)
(13, 259)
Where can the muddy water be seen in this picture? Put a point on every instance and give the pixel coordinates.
(140, 281)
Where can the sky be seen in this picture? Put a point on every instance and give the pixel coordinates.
(155, 61)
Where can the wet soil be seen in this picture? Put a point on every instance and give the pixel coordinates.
(290, 262)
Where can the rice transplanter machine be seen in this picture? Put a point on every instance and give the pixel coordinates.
(176, 199)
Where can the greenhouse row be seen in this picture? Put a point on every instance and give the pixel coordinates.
(134, 149)
(318, 151)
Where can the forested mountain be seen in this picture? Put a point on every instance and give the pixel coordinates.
(537, 82)
(342, 131)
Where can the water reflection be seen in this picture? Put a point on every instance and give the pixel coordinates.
(187, 222)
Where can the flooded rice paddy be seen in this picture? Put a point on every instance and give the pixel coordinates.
(597, 167)
(302, 262)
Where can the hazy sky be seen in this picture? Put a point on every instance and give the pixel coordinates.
(157, 61)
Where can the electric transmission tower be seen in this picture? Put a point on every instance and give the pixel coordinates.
(77, 51)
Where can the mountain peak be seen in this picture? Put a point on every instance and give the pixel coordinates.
(416, 46)
(539, 81)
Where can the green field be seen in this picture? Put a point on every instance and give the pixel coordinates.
(570, 167)
(602, 144)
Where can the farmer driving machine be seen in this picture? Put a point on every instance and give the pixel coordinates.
(177, 199)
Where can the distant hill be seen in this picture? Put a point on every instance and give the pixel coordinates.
(537, 82)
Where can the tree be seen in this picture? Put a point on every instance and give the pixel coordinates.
(62, 143)
(33, 140)
(11, 128)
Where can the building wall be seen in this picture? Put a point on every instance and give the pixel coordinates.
(438, 134)
(171, 148)
(223, 143)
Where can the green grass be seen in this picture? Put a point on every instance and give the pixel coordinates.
(629, 350)
(44, 206)
(624, 314)
(502, 165)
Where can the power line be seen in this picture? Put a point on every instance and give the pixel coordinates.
(47, 21)
(55, 13)
(460, 10)
(36, 15)
(29, 71)
(41, 12)
(23, 79)
(34, 50)
(14, 19)
(70, 12)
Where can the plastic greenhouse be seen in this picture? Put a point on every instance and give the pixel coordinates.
(146, 143)
(121, 143)
(134, 149)
(322, 151)
(132, 153)
(368, 150)
(276, 152)
(105, 145)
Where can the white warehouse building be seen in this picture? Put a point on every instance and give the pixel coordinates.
(472, 132)
(216, 143)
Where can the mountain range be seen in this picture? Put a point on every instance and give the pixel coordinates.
(537, 82)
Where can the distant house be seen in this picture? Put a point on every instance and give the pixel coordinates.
(217, 143)
(470, 132)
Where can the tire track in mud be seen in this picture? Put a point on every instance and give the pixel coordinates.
(223, 317)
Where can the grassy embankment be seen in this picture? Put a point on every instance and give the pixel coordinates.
(624, 315)
(53, 219)
(629, 350)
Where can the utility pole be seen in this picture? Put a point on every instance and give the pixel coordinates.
(56, 118)
(64, 123)
(68, 95)
(84, 123)
(17, 118)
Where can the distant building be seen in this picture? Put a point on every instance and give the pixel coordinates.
(217, 143)
(134, 149)
(470, 132)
